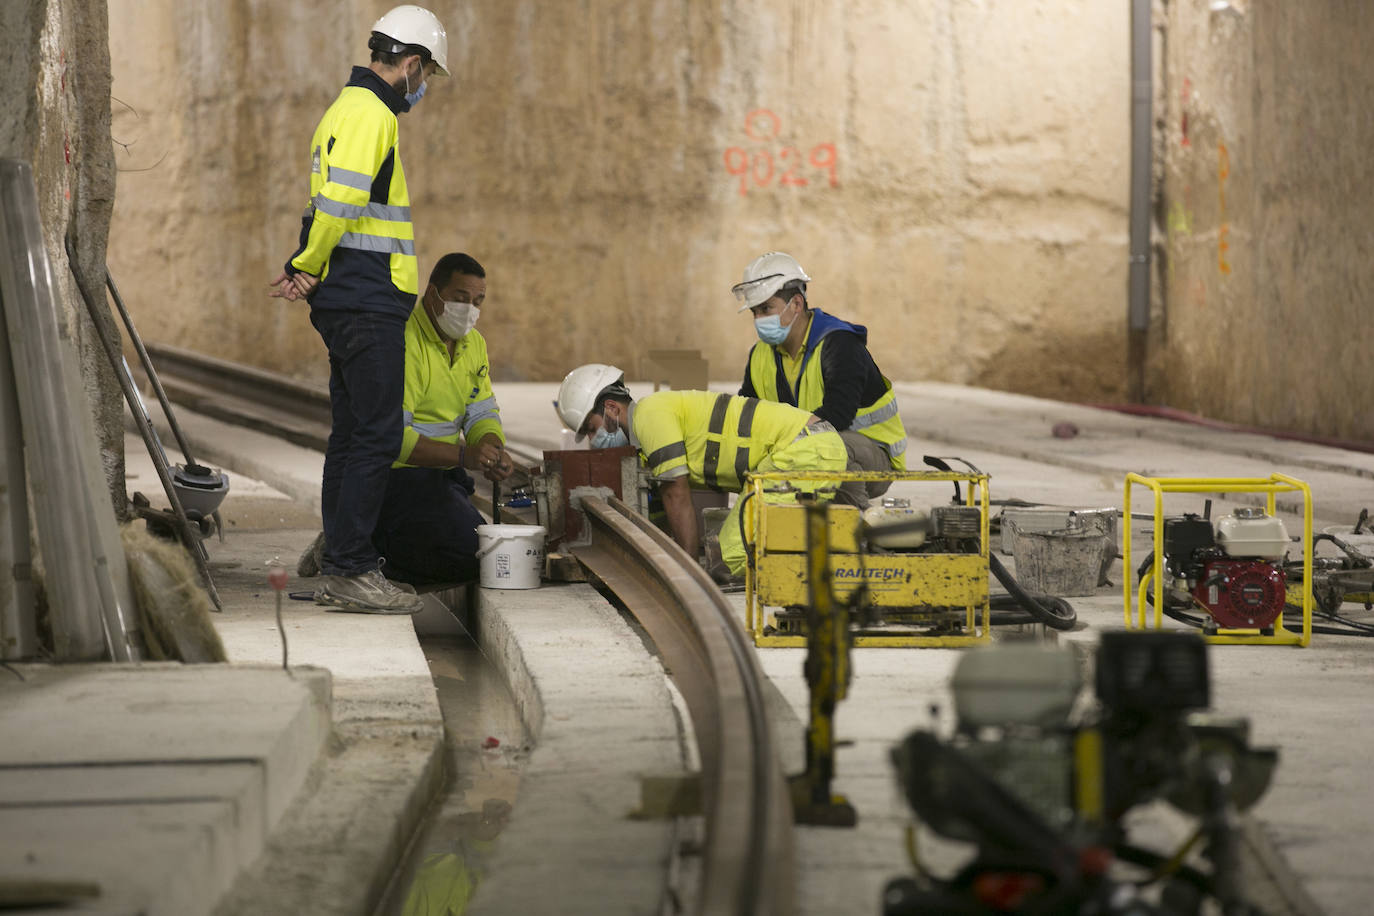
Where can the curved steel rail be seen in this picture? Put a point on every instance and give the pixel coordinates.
(747, 867)
(285, 407)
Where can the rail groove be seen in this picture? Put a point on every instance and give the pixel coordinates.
(747, 861)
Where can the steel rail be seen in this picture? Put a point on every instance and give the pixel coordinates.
(284, 407)
(747, 860)
(248, 396)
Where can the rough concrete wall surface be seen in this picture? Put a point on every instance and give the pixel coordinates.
(55, 115)
(952, 173)
(1268, 189)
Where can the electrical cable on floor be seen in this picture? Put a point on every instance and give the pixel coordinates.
(276, 577)
(13, 670)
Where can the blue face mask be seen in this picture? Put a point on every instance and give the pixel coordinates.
(413, 98)
(771, 330)
(603, 439)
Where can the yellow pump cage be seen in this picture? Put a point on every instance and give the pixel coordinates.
(1271, 485)
(942, 579)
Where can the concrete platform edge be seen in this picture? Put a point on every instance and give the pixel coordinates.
(599, 709)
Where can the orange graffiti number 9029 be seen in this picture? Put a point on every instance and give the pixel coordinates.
(761, 165)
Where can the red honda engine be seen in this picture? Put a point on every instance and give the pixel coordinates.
(1241, 594)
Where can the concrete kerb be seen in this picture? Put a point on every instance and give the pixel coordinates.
(601, 715)
(164, 781)
(338, 845)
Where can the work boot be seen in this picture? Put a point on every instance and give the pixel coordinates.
(728, 581)
(368, 593)
(308, 565)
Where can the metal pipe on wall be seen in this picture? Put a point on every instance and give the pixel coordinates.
(18, 625)
(91, 602)
(1142, 149)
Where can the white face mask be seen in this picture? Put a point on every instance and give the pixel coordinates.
(457, 318)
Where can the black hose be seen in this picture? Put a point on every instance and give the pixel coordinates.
(748, 548)
(1062, 617)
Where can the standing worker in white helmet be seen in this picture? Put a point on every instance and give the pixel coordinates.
(356, 266)
(820, 363)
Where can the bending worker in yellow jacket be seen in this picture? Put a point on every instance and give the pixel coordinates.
(697, 438)
(821, 364)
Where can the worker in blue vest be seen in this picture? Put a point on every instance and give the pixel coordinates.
(821, 364)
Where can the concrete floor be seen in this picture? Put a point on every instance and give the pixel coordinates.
(1303, 700)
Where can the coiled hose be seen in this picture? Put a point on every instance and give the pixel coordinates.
(1055, 613)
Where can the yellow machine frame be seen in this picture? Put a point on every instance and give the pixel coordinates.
(950, 580)
(1274, 483)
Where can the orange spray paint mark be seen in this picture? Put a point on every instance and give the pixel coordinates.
(1183, 121)
(1224, 229)
(784, 167)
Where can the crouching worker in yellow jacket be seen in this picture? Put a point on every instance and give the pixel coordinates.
(698, 438)
(452, 424)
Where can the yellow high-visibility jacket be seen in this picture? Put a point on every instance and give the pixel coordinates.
(445, 400)
(714, 439)
(834, 378)
(356, 233)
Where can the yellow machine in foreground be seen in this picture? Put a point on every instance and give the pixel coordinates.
(932, 595)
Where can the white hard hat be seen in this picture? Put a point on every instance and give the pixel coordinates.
(412, 26)
(577, 394)
(765, 275)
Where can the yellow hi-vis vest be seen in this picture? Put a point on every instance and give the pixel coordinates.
(445, 400)
(878, 421)
(358, 218)
(713, 439)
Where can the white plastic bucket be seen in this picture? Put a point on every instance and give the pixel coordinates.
(512, 556)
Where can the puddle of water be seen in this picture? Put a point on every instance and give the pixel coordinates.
(484, 753)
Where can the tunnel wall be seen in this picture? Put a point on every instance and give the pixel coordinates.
(951, 173)
(55, 115)
(1266, 195)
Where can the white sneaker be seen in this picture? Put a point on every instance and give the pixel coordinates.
(368, 593)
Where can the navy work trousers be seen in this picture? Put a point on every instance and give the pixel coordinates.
(428, 527)
(366, 391)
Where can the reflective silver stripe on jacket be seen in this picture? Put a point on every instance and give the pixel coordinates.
(480, 410)
(437, 430)
(358, 180)
(356, 211)
(896, 448)
(431, 430)
(878, 416)
(362, 242)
